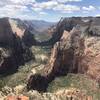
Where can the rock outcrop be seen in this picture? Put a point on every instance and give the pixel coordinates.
(82, 55)
(90, 26)
(92, 57)
(13, 48)
(77, 51)
(66, 55)
(65, 58)
(17, 98)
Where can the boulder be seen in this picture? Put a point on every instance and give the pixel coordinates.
(17, 98)
(19, 89)
(37, 82)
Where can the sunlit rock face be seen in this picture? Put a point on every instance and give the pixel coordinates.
(13, 48)
(76, 49)
(92, 57)
(75, 53)
(66, 55)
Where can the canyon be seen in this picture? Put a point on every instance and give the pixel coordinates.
(72, 47)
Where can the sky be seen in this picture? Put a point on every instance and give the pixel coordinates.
(49, 10)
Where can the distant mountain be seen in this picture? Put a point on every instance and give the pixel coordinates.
(35, 26)
(39, 28)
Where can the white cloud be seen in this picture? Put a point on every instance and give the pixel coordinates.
(4, 2)
(25, 16)
(27, 8)
(99, 8)
(90, 8)
(98, 15)
(66, 8)
(54, 5)
(46, 5)
(65, 1)
(85, 12)
(22, 1)
(42, 13)
(16, 2)
(40, 7)
(12, 10)
(36, 9)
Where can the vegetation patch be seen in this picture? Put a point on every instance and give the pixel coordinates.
(79, 81)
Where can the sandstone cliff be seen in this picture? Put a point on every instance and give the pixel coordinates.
(13, 44)
(76, 51)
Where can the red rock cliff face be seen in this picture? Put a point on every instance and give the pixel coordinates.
(75, 53)
(92, 57)
(78, 50)
(66, 55)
